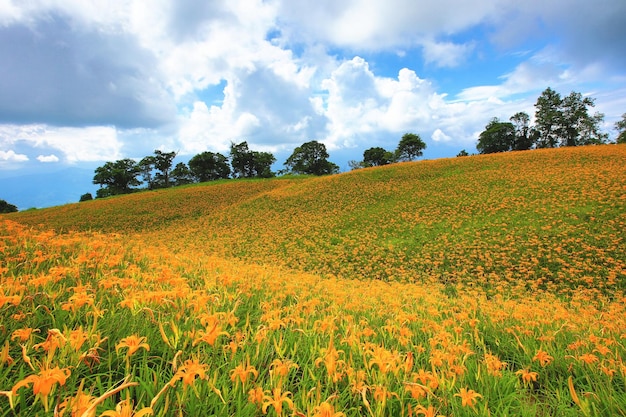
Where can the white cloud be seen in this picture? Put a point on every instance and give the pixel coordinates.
(48, 158)
(11, 156)
(446, 54)
(439, 136)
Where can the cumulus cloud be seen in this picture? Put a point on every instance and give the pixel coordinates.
(48, 158)
(11, 156)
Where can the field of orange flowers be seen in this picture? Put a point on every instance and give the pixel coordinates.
(490, 285)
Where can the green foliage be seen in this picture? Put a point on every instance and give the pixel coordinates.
(377, 156)
(206, 166)
(411, 146)
(5, 207)
(497, 137)
(462, 153)
(565, 121)
(250, 164)
(311, 158)
(117, 177)
(86, 197)
(181, 174)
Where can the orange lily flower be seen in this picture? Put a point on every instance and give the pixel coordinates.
(468, 397)
(527, 376)
(44, 382)
(276, 400)
(326, 409)
(543, 357)
(189, 371)
(125, 409)
(242, 372)
(133, 343)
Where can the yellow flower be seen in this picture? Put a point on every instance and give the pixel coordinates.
(468, 397)
(255, 395)
(133, 343)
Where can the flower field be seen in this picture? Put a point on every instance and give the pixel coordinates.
(482, 286)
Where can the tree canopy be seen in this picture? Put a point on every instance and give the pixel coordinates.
(311, 158)
(205, 166)
(497, 137)
(117, 177)
(377, 156)
(6, 207)
(620, 126)
(411, 146)
(250, 164)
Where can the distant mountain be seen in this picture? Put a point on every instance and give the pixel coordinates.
(47, 189)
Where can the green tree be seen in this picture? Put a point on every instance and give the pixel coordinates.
(117, 177)
(181, 174)
(525, 135)
(209, 166)
(566, 121)
(5, 207)
(620, 126)
(311, 158)
(250, 164)
(548, 118)
(411, 146)
(578, 127)
(146, 168)
(86, 197)
(497, 137)
(163, 162)
(377, 156)
(462, 153)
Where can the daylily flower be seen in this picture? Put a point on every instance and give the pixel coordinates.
(133, 343)
(468, 397)
(44, 382)
(276, 400)
(326, 409)
(125, 409)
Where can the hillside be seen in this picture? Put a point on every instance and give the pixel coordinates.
(487, 285)
(543, 217)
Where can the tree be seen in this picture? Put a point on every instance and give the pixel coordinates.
(497, 137)
(209, 166)
(462, 153)
(620, 126)
(525, 136)
(163, 164)
(548, 118)
(85, 197)
(250, 164)
(117, 177)
(578, 127)
(566, 121)
(146, 166)
(5, 207)
(311, 158)
(411, 146)
(181, 174)
(377, 156)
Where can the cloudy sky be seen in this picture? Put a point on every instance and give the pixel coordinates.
(88, 81)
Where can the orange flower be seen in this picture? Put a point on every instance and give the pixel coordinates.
(255, 396)
(276, 400)
(44, 382)
(189, 371)
(326, 409)
(543, 357)
(133, 343)
(468, 397)
(125, 409)
(242, 372)
(23, 334)
(527, 376)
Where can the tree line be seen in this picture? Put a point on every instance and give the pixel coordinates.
(559, 121)
(158, 171)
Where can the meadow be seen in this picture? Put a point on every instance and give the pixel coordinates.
(488, 285)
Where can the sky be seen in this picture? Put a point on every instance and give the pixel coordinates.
(83, 82)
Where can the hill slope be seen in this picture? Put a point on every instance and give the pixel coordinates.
(545, 218)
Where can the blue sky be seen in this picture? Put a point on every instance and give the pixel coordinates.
(85, 82)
